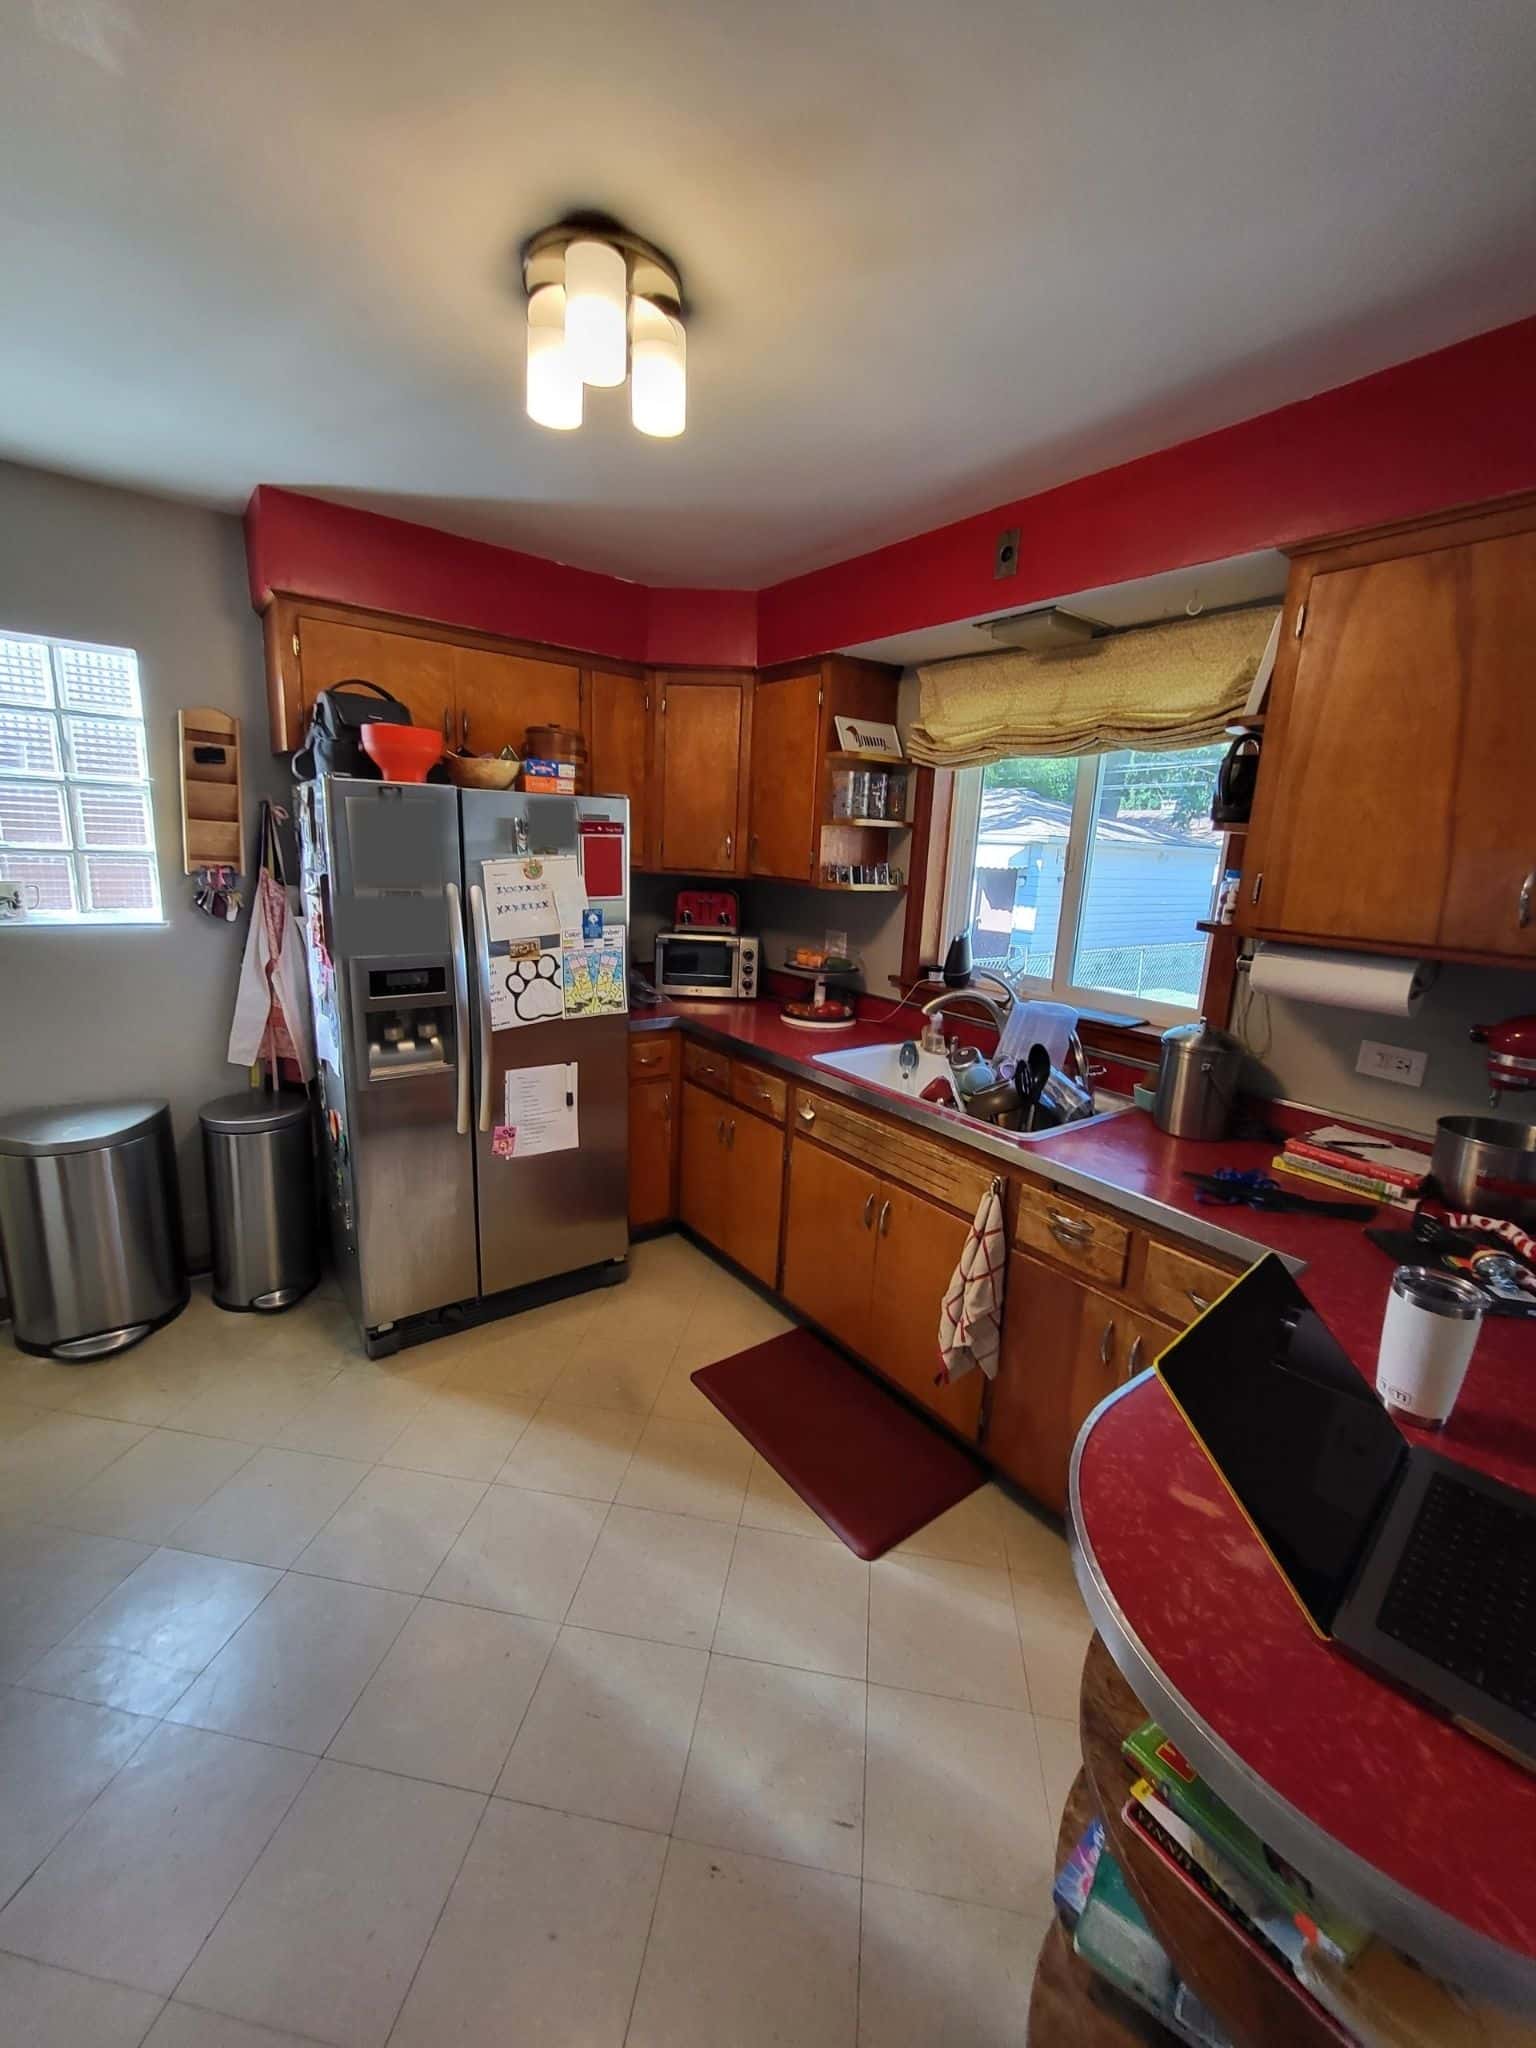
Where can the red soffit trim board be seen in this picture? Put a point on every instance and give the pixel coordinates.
(1446, 429)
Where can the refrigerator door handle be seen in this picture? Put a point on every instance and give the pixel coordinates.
(460, 1002)
(483, 981)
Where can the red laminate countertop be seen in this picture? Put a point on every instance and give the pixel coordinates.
(1418, 1805)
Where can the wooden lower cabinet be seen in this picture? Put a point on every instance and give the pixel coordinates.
(917, 1248)
(1065, 1347)
(652, 1152)
(869, 1261)
(732, 1174)
(829, 1242)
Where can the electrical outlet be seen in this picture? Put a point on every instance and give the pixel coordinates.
(1391, 1063)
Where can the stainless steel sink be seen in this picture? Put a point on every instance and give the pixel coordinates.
(879, 1066)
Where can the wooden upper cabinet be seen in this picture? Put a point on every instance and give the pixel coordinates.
(1490, 890)
(784, 830)
(498, 696)
(702, 737)
(619, 750)
(417, 671)
(1393, 807)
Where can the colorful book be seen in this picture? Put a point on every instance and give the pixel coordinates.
(1335, 1145)
(1160, 1761)
(1113, 1937)
(1273, 1955)
(1342, 1181)
(1074, 1880)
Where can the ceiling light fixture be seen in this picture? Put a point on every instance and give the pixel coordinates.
(601, 303)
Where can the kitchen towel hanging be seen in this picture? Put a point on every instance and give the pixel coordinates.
(1157, 687)
(971, 1317)
(271, 1026)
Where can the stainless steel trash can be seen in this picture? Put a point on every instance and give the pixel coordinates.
(91, 1226)
(259, 1161)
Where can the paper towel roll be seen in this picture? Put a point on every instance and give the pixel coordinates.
(1346, 981)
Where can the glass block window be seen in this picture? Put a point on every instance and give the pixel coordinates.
(77, 826)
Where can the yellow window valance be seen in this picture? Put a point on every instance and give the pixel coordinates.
(1158, 687)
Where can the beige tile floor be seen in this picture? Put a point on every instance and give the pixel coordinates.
(499, 1691)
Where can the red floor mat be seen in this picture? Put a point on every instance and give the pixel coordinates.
(872, 1470)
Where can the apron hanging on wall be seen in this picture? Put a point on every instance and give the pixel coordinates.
(271, 1026)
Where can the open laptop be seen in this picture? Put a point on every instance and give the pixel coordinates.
(1420, 1567)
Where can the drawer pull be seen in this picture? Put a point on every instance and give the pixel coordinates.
(885, 1219)
(806, 1114)
(1523, 912)
(1198, 1299)
(1107, 1343)
(1134, 1365)
(869, 1207)
(1068, 1228)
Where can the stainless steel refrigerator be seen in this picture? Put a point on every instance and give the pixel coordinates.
(469, 1156)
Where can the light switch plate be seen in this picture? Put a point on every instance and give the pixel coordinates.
(1391, 1063)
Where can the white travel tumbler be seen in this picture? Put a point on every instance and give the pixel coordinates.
(1427, 1337)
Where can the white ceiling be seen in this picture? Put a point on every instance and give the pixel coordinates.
(938, 256)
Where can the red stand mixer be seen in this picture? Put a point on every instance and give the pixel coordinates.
(1511, 1054)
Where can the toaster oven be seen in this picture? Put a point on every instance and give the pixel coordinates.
(706, 963)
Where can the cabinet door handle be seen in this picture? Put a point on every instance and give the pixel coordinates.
(806, 1114)
(666, 1105)
(869, 1207)
(720, 1130)
(1198, 1299)
(730, 1135)
(730, 841)
(1133, 1365)
(1523, 915)
(464, 730)
(752, 846)
(1070, 1229)
(1107, 1343)
(1258, 887)
(448, 728)
(883, 1226)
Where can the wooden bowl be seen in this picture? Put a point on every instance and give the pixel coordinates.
(480, 771)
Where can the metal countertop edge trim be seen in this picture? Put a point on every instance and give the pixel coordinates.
(1143, 1207)
(1444, 1945)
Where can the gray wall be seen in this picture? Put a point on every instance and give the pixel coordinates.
(95, 1013)
(1307, 1053)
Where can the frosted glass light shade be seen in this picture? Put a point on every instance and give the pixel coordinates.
(554, 388)
(658, 373)
(596, 293)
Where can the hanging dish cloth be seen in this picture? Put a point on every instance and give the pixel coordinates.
(1033, 1022)
(970, 1321)
(271, 1026)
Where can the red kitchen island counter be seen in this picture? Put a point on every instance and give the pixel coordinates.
(1420, 1831)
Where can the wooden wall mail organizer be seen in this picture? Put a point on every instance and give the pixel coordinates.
(212, 804)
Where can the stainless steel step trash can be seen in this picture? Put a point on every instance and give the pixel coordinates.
(258, 1157)
(90, 1224)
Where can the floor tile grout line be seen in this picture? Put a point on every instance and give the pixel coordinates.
(650, 1925)
(474, 1836)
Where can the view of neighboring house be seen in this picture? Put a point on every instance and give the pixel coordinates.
(1149, 882)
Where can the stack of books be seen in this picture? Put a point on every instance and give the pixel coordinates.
(1335, 1157)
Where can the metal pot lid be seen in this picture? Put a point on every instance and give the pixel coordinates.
(1185, 1041)
(254, 1109)
(77, 1127)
